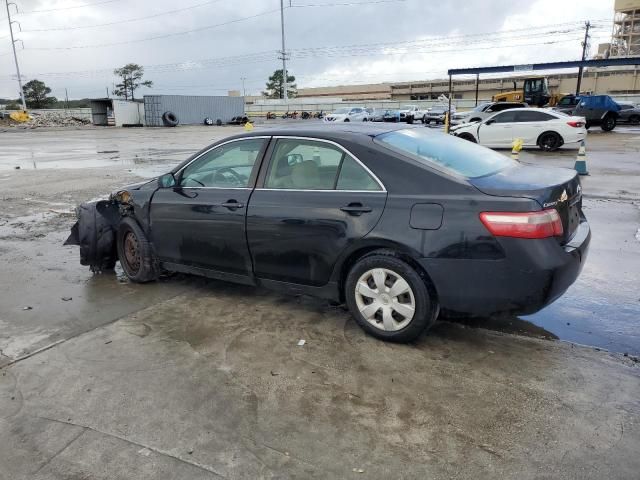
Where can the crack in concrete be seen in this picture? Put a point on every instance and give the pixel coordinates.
(79, 334)
(140, 445)
(47, 462)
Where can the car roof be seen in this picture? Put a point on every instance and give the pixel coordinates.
(322, 130)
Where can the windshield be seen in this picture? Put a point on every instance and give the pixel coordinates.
(342, 111)
(460, 156)
(481, 107)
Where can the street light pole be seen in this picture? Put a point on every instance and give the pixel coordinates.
(284, 55)
(244, 92)
(15, 55)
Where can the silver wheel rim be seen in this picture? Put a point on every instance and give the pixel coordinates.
(385, 299)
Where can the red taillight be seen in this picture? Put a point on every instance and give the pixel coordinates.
(575, 124)
(543, 224)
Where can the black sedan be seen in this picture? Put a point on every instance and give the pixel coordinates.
(398, 222)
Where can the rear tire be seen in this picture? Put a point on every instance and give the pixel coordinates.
(609, 123)
(549, 141)
(136, 253)
(388, 298)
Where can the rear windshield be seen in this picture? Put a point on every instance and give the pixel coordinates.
(438, 149)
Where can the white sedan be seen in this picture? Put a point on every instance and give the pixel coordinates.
(346, 114)
(546, 129)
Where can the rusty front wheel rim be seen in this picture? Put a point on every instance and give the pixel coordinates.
(131, 252)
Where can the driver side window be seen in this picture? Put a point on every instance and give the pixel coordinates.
(227, 166)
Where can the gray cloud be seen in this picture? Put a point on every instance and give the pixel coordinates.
(306, 28)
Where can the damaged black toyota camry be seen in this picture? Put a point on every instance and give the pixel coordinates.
(397, 222)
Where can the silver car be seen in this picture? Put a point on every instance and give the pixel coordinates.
(484, 110)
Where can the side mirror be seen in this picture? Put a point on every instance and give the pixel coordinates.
(166, 181)
(489, 122)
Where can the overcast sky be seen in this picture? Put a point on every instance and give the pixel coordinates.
(207, 49)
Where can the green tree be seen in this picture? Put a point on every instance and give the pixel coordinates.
(131, 75)
(275, 86)
(35, 94)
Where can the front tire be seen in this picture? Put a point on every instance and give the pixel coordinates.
(549, 141)
(388, 298)
(609, 123)
(135, 252)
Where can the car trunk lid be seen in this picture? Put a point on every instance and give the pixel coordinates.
(557, 188)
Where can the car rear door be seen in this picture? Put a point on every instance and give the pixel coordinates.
(497, 131)
(200, 222)
(530, 124)
(312, 202)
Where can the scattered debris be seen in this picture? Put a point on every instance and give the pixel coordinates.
(66, 299)
(108, 342)
(51, 119)
(190, 452)
(274, 374)
(27, 308)
(301, 342)
(358, 470)
(144, 451)
(17, 167)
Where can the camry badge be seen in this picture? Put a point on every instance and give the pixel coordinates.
(563, 197)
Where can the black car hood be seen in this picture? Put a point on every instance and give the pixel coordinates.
(139, 185)
(542, 184)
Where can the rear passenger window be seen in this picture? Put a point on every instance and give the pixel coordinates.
(304, 165)
(529, 116)
(354, 177)
(298, 164)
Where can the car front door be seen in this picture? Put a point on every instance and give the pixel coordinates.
(315, 200)
(200, 222)
(497, 131)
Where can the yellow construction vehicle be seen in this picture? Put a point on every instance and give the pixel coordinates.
(534, 91)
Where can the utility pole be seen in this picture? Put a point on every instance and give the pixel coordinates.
(15, 55)
(284, 54)
(585, 43)
(244, 92)
(66, 98)
(107, 89)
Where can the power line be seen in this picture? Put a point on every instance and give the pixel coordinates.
(128, 20)
(69, 8)
(157, 37)
(345, 4)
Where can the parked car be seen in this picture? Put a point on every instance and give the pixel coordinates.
(598, 110)
(377, 115)
(567, 104)
(347, 114)
(399, 222)
(546, 129)
(484, 110)
(411, 113)
(437, 113)
(629, 113)
(391, 116)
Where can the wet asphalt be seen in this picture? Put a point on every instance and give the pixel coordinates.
(602, 309)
